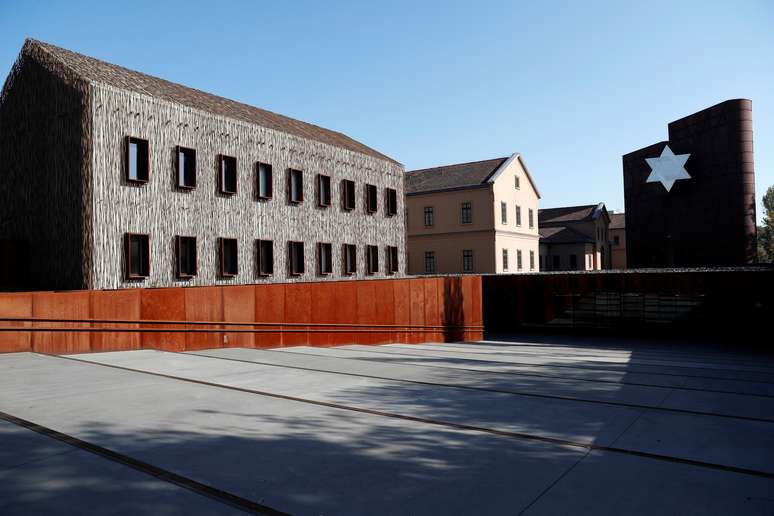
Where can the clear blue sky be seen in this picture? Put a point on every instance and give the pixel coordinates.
(571, 85)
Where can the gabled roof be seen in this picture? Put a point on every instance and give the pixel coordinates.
(461, 175)
(563, 235)
(94, 70)
(617, 221)
(559, 216)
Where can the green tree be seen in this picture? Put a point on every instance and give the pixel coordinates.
(766, 231)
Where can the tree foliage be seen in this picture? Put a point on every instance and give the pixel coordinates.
(766, 231)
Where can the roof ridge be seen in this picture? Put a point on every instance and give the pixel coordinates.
(455, 164)
(51, 49)
(571, 207)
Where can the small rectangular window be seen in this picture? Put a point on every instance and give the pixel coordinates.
(324, 259)
(429, 216)
(296, 258)
(323, 190)
(517, 182)
(229, 260)
(392, 259)
(429, 262)
(467, 260)
(531, 218)
(350, 259)
(518, 215)
(505, 259)
(265, 186)
(391, 202)
(347, 195)
(504, 213)
(137, 160)
(518, 259)
(228, 175)
(466, 213)
(186, 257)
(265, 257)
(532, 260)
(186, 168)
(137, 256)
(295, 186)
(616, 240)
(370, 191)
(573, 262)
(372, 259)
(555, 264)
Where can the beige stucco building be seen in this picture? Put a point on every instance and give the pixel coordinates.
(575, 238)
(479, 217)
(618, 239)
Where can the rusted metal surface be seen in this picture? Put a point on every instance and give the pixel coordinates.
(316, 314)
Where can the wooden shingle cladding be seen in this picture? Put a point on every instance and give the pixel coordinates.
(101, 207)
(45, 176)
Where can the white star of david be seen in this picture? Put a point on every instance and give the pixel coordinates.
(667, 168)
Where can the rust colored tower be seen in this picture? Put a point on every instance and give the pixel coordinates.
(707, 219)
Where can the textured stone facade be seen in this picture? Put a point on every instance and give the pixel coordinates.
(86, 225)
(162, 210)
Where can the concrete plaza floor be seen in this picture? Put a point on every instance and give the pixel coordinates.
(554, 425)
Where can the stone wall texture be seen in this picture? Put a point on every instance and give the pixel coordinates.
(163, 211)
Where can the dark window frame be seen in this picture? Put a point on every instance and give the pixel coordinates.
(321, 201)
(531, 218)
(222, 257)
(391, 255)
(574, 262)
(391, 202)
(466, 212)
(429, 215)
(291, 246)
(128, 256)
(294, 172)
(467, 257)
(345, 259)
(519, 261)
(179, 251)
(347, 194)
(127, 158)
(532, 260)
(259, 167)
(430, 264)
(183, 185)
(320, 264)
(518, 216)
(371, 198)
(372, 259)
(505, 259)
(259, 254)
(222, 187)
(503, 213)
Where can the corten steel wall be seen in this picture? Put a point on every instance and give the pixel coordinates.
(452, 305)
(44, 184)
(705, 221)
(733, 302)
(162, 210)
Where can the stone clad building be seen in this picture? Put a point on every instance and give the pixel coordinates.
(478, 217)
(112, 178)
(575, 238)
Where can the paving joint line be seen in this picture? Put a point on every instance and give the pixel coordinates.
(567, 366)
(497, 391)
(517, 373)
(162, 474)
(447, 424)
